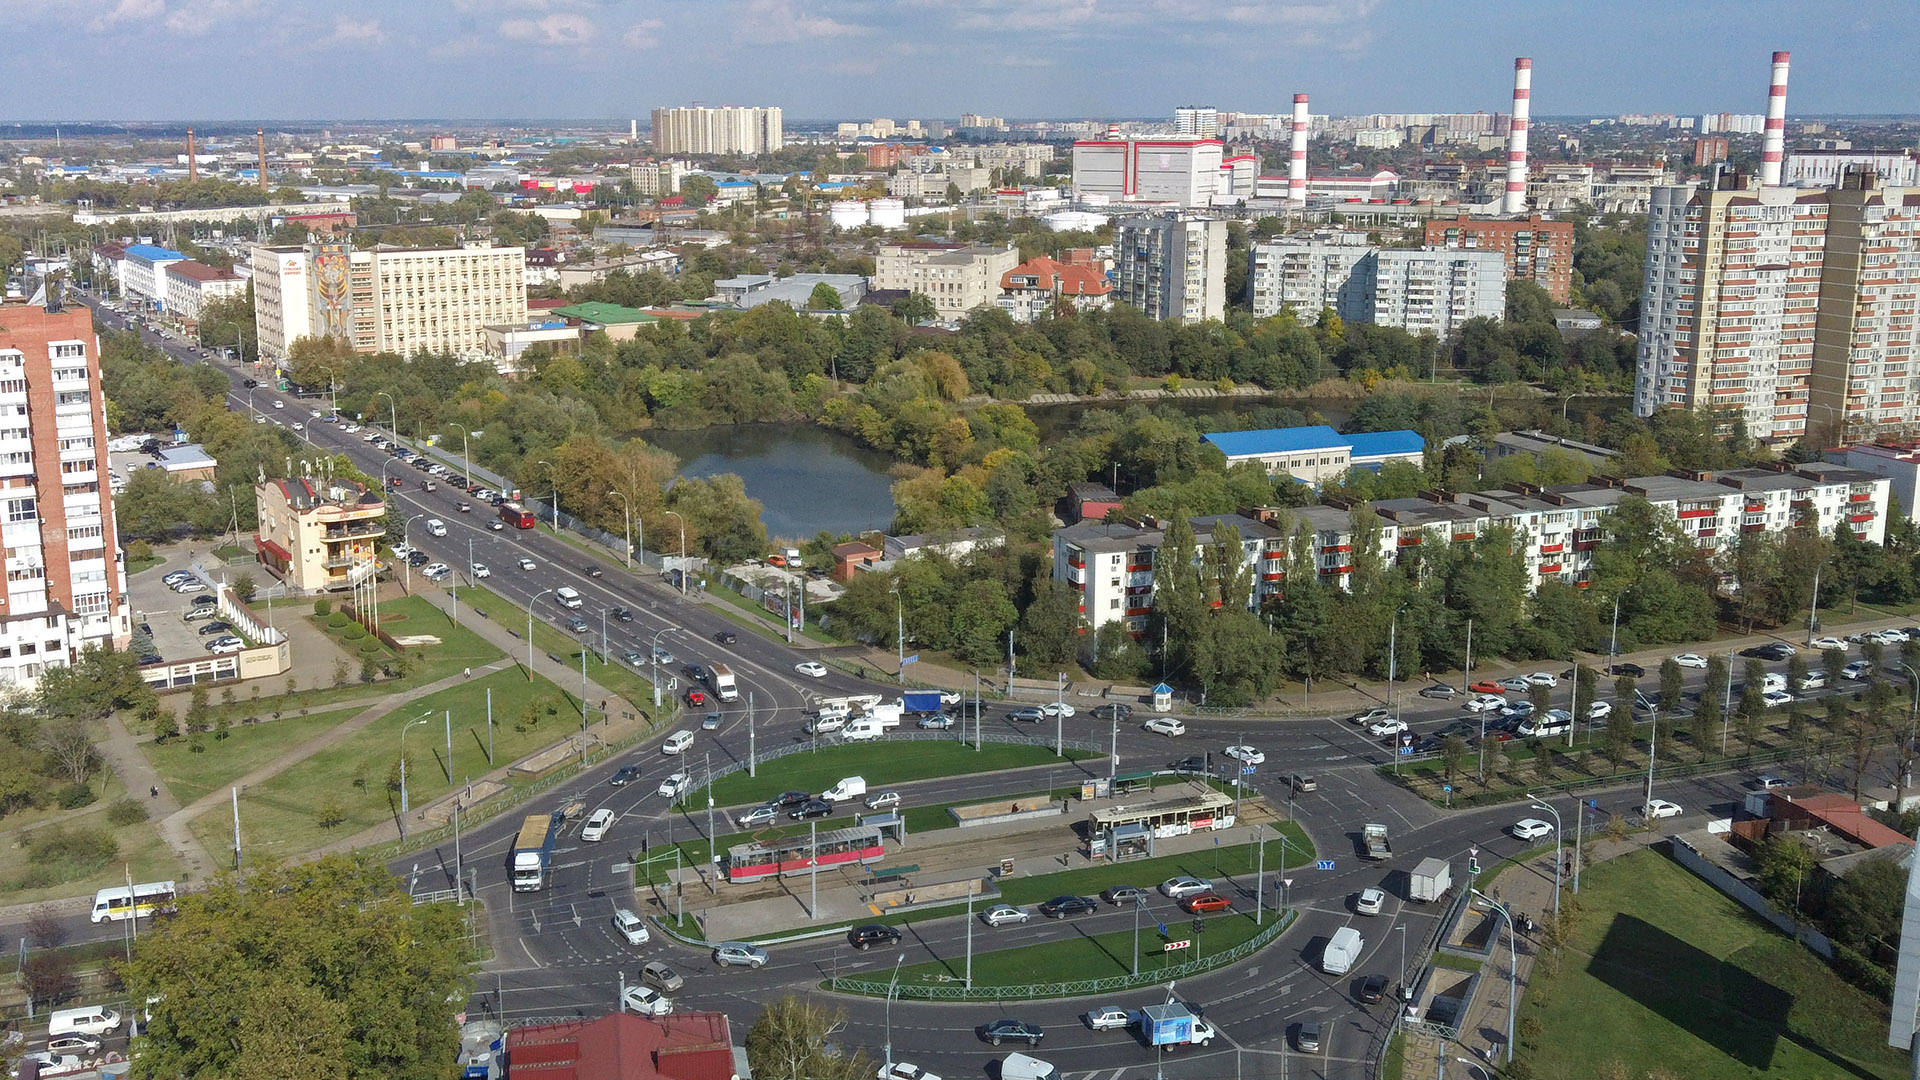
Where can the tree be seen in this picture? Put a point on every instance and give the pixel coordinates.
(1049, 628)
(1786, 865)
(329, 961)
(1619, 732)
(1453, 755)
(1864, 908)
(792, 1041)
(1832, 663)
(824, 298)
(1673, 684)
(245, 588)
(99, 682)
(70, 745)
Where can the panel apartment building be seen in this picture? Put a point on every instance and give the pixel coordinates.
(956, 277)
(1111, 566)
(1413, 289)
(1792, 308)
(398, 300)
(730, 129)
(66, 586)
(1533, 248)
(1171, 266)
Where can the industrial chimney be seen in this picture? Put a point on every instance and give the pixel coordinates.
(1776, 138)
(260, 134)
(193, 168)
(1297, 171)
(1516, 201)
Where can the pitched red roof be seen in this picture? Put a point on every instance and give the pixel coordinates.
(1052, 275)
(194, 271)
(623, 1046)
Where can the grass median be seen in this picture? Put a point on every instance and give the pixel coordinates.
(1666, 976)
(614, 674)
(885, 764)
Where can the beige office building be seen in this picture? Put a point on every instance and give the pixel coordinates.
(730, 129)
(397, 300)
(956, 277)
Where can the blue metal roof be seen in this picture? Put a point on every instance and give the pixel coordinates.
(1277, 440)
(1383, 443)
(153, 254)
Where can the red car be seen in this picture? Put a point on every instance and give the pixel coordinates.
(1205, 902)
(696, 697)
(1485, 687)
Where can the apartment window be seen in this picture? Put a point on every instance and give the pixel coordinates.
(1114, 604)
(28, 648)
(71, 350)
(21, 509)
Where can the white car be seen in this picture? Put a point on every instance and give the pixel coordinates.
(1856, 670)
(813, 669)
(676, 785)
(597, 825)
(1815, 680)
(1889, 637)
(1659, 808)
(1599, 710)
(298, 426)
(1822, 644)
(1245, 753)
(225, 645)
(1108, 1018)
(1530, 829)
(1059, 709)
(279, 404)
(1543, 678)
(1002, 914)
(1369, 901)
(904, 1070)
(630, 926)
(1381, 729)
(496, 524)
(480, 570)
(1774, 699)
(435, 571)
(1165, 725)
(1486, 703)
(436, 527)
(1687, 659)
(1182, 887)
(646, 1001)
(759, 815)
(526, 564)
(349, 429)
(52, 1064)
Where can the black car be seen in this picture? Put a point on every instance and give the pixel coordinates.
(249, 383)
(787, 800)
(1062, 906)
(205, 600)
(814, 808)
(1439, 691)
(1009, 1028)
(1427, 744)
(1372, 989)
(1195, 764)
(1777, 650)
(215, 627)
(1634, 670)
(866, 937)
(1123, 894)
(627, 775)
(594, 571)
(149, 658)
(1113, 710)
(726, 637)
(1466, 729)
(620, 614)
(418, 558)
(697, 672)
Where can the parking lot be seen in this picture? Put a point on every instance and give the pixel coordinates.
(160, 609)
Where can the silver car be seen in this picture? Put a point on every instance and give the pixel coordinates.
(739, 954)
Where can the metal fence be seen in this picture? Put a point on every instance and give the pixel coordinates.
(1076, 988)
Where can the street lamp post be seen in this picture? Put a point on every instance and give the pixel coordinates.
(892, 985)
(626, 510)
(393, 415)
(551, 479)
(1405, 993)
(1906, 755)
(654, 658)
(531, 601)
(683, 550)
(1512, 963)
(1558, 861)
(421, 719)
(1653, 731)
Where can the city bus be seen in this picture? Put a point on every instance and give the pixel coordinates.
(858, 846)
(121, 902)
(516, 515)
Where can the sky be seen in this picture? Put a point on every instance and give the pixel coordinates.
(266, 60)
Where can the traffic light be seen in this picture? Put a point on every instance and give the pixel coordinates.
(1199, 924)
(1473, 865)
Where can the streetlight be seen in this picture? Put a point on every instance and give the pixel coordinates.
(891, 985)
(1405, 991)
(1558, 861)
(1913, 716)
(551, 479)
(1653, 731)
(1393, 640)
(655, 659)
(421, 719)
(683, 550)
(393, 414)
(626, 510)
(531, 601)
(1512, 961)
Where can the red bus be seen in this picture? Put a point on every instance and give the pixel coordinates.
(516, 515)
(858, 846)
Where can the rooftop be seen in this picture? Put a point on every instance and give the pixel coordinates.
(1277, 440)
(153, 254)
(605, 314)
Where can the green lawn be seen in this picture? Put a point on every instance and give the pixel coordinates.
(757, 618)
(547, 639)
(1095, 956)
(135, 566)
(885, 764)
(1667, 974)
(139, 852)
(247, 747)
(282, 816)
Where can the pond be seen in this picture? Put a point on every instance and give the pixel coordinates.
(808, 479)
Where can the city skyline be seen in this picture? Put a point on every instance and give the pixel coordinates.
(616, 59)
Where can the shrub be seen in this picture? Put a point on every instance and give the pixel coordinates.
(354, 632)
(323, 607)
(70, 853)
(372, 645)
(126, 812)
(337, 620)
(1854, 966)
(75, 796)
(139, 551)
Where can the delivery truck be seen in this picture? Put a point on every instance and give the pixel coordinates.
(920, 701)
(533, 850)
(1376, 842)
(724, 686)
(886, 716)
(1174, 1024)
(1430, 880)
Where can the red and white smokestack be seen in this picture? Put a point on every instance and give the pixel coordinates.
(1516, 201)
(1297, 171)
(193, 169)
(1773, 149)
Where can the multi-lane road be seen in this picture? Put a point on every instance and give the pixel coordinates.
(556, 953)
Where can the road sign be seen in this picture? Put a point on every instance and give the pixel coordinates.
(1323, 864)
(1163, 929)
(1246, 770)
(905, 660)
(1173, 945)
(1448, 788)
(1287, 882)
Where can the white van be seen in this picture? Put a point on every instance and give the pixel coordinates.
(850, 788)
(863, 731)
(1025, 1067)
(566, 596)
(677, 743)
(85, 1020)
(436, 527)
(1342, 951)
(1773, 681)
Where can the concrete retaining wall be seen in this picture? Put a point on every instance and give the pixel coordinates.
(1685, 854)
(969, 816)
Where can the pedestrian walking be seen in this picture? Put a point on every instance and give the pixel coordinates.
(153, 792)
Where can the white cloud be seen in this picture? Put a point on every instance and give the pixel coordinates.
(561, 28)
(200, 16)
(128, 11)
(781, 22)
(350, 30)
(644, 34)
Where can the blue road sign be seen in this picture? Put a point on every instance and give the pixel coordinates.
(1163, 929)
(904, 661)
(1323, 864)
(1246, 770)
(1448, 788)
(1406, 750)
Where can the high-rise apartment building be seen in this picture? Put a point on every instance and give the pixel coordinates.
(1197, 121)
(1791, 307)
(1171, 266)
(1535, 249)
(1423, 289)
(398, 300)
(66, 587)
(730, 129)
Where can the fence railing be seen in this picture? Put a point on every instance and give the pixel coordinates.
(1075, 988)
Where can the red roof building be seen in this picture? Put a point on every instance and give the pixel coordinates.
(624, 1046)
(1033, 288)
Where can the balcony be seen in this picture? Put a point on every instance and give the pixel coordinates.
(355, 529)
(1077, 575)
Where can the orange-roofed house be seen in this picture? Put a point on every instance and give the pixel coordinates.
(623, 1046)
(1031, 289)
